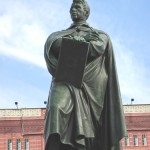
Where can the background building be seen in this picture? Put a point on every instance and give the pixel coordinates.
(22, 129)
(138, 127)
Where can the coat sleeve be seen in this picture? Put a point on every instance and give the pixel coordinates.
(113, 123)
(51, 61)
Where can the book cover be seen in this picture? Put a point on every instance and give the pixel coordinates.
(72, 62)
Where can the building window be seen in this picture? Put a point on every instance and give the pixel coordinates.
(144, 142)
(126, 140)
(135, 140)
(26, 144)
(18, 144)
(9, 144)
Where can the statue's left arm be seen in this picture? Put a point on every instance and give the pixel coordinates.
(98, 42)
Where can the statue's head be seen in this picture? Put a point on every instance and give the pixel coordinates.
(79, 10)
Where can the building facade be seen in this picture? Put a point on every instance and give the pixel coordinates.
(22, 129)
(138, 127)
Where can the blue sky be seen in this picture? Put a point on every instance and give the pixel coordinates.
(25, 25)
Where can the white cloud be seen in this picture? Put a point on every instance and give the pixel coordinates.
(28, 46)
(23, 29)
(5, 26)
(132, 75)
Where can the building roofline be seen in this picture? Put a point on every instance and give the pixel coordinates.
(22, 108)
(134, 104)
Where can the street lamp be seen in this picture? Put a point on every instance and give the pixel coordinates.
(45, 102)
(16, 103)
(132, 100)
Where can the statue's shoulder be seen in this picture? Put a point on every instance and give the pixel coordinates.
(56, 34)
(52, 36)
(102, 33)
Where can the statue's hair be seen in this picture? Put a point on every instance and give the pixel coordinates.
(85, 6)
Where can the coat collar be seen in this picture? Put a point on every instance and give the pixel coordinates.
(74, 25)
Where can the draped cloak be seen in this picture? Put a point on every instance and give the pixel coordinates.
(95, 110)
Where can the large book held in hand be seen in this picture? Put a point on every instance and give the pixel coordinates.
(72, 62)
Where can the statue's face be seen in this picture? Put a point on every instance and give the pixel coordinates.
(77, 12)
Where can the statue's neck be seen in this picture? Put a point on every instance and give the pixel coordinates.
(79, 23)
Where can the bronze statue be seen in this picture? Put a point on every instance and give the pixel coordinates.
(90, 117)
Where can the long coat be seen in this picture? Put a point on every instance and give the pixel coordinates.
(93, 112)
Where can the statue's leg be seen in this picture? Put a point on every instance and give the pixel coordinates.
(67, 147)
(59, 115)
(53, 143)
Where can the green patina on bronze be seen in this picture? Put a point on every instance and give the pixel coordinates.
(89, 118)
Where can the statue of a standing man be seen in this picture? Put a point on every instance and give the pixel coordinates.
(90, 117)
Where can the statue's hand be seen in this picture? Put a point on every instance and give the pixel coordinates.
(78, 38)
(92, 36)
